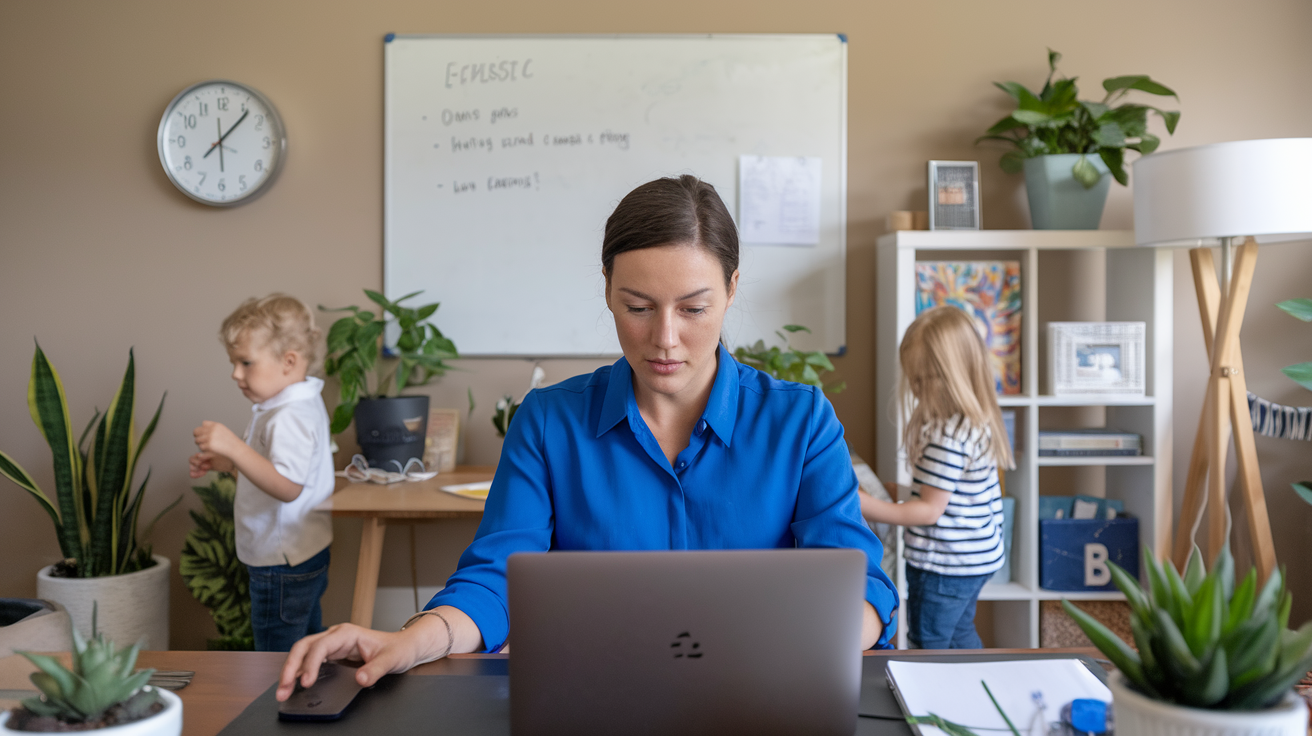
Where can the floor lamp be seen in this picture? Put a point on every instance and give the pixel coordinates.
(1237, 195)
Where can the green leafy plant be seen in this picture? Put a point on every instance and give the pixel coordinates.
(102, 678)
(1055, 121)
(787, 363)
(211, 570)
(1202, 640)
(94, 509)
(357, 348)
(507, 406)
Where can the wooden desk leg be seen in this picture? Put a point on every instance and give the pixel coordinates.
(366, 572)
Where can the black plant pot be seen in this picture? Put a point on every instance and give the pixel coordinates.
(391, 429)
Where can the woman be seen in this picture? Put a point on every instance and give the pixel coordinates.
(675, 446)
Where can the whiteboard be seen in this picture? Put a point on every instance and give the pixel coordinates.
(504, 155)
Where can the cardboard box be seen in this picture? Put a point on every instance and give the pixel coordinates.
(1073, 553)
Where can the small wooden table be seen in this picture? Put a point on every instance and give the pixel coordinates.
(375, 504)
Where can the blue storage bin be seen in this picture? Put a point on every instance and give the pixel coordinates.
(1073, 552)
(1003, 575)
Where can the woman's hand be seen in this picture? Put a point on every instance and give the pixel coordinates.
(382, 652)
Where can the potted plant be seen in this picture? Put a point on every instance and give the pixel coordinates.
(389, 427)
(789, 363)
(211, 570)
(1056, 136)
(100, 691)
(1300, 373)
(95, 512)
(507, 406)
(1214, 657)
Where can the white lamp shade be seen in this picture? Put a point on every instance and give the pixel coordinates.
(1193, 196)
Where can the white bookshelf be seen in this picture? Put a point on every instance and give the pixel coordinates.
(1139, 282)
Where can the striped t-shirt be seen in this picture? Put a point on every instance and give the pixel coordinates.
(967, 538)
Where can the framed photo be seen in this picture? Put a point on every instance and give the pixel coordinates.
(954, 195)
(1096, 357)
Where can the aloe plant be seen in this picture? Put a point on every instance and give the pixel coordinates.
(94, 509)
(357, 342)
(788, 363)
(1202, 640)
(101, 677)
(211, 570)
(1054, 121)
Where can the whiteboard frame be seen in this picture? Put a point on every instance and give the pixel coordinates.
(842, 162)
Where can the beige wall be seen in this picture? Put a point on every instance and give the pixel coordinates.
(98, 252)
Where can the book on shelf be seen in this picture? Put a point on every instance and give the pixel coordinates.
(1100, 441)
(1126, 452)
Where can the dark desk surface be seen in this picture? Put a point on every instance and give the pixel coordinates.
(226, 683)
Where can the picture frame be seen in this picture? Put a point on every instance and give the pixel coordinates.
(1096, 358)
(443, 440)
(954, 195)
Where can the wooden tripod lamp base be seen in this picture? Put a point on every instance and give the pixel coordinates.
(1225, 408)
(1191, 197)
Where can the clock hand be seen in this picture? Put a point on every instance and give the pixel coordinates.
(225, 135)
(218, 124)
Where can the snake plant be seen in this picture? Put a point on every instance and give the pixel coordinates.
(94, 508)
(1202, 640)
(211, 570)
(101, 677)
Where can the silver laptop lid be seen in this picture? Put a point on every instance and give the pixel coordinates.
(745, 641)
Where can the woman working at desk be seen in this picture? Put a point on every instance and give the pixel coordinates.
(675, 446)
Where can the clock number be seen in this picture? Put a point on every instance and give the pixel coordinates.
(182, 141)
(204, 109)
(202, 177)
(222, 187)
(188, 120)
(222, 103)
(186, 163)
(259, 164)
(241, 181)
(266, 141)
(259, 122)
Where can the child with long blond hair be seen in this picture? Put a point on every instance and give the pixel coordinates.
(955, 442)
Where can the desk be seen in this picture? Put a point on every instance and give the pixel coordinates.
(375, 504)
(227, 682)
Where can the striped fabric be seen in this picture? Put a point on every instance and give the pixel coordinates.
(967, 538)
(1274, 420)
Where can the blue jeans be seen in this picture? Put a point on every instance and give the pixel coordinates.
(942, 609)
(285, 602)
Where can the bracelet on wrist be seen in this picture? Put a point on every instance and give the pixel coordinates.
(450, 635)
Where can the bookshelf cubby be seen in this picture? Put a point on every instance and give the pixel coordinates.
(1138, 288)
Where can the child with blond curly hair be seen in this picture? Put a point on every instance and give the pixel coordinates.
(283, 463)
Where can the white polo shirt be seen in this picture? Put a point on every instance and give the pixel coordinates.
(291, 430)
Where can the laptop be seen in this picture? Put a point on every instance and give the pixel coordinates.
(719, 642)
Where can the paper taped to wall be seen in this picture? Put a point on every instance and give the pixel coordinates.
(779, 200)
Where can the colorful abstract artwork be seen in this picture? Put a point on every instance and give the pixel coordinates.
(989, 291)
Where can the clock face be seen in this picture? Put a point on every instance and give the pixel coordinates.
(221, 142)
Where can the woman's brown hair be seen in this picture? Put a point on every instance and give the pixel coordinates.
(682, 211)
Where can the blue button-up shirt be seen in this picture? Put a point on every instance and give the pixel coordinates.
(766, 467)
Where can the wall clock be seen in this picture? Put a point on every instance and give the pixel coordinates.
(221, 143)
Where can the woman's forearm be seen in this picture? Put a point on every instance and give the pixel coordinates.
(431, 636)
(871, 627)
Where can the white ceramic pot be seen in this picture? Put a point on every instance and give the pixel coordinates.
(167, 722)
(1138, 715)
(130, 608)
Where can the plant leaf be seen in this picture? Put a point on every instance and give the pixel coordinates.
(49, 409)
(1301, 373)
(1298, 308)
(1140, 82)
(1121, 655)
(1193, 571)
(1304, 490)
(13, 471)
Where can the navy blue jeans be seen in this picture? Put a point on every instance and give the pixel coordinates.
(942, 609)
(285, 602)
